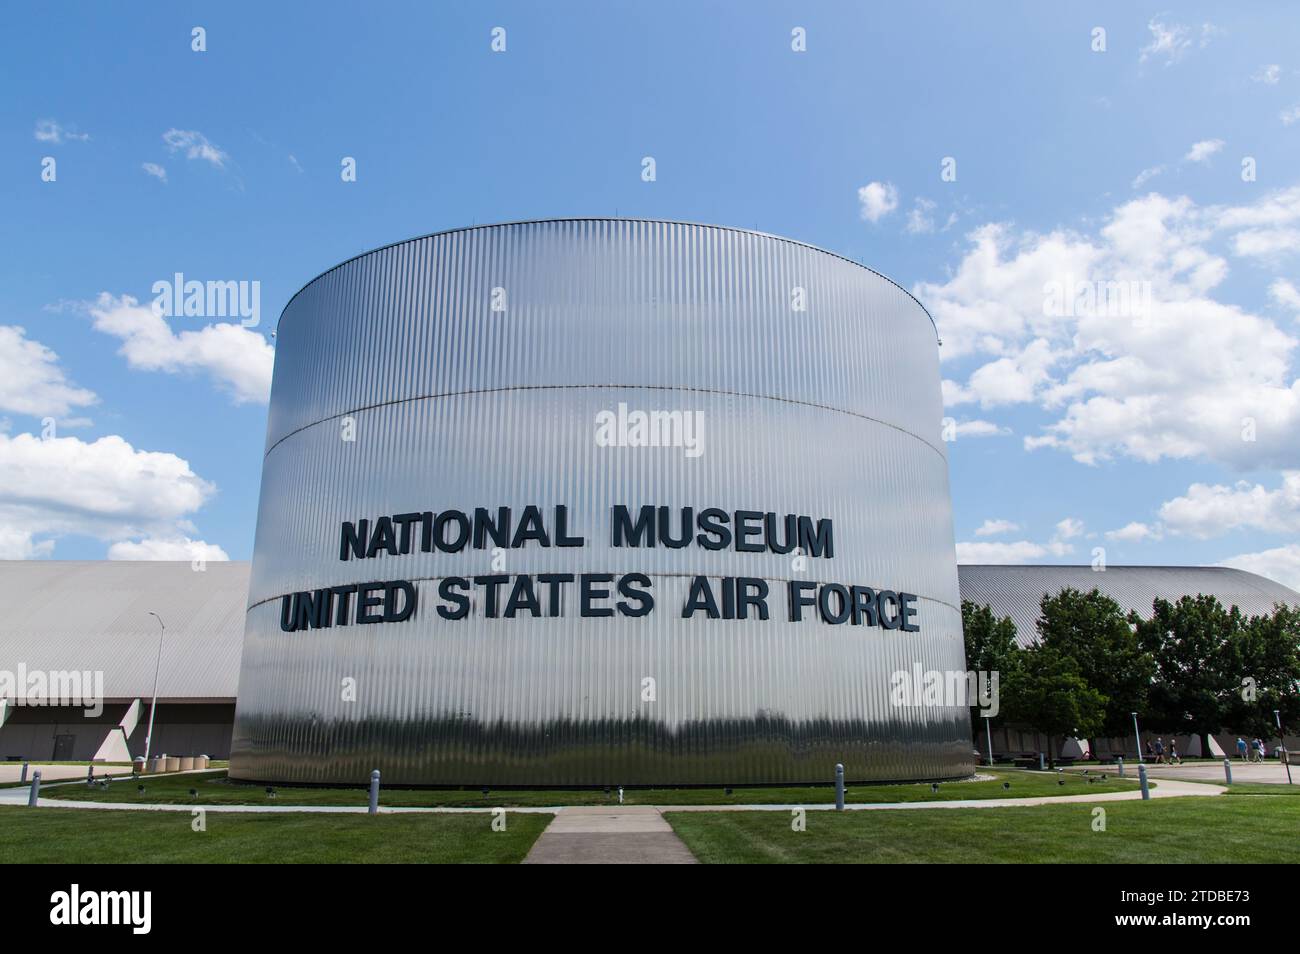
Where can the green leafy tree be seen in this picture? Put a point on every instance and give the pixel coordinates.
(990, 648)
(1266, 654)
(1194, 643)
(1092, 629)
(1048, 691)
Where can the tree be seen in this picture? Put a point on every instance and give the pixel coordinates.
(1193, 643)
(1265, 654)
(1048, 691)
(1092, 629)
(990, 648)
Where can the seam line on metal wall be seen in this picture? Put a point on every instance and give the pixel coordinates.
(588, 387)
(665, 576)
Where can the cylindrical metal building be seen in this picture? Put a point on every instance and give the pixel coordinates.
(753, 393)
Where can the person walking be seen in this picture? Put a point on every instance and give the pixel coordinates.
(1150, 752)
(1254, 750)
(1173, 752)
(1160, 751)
(1241, 748)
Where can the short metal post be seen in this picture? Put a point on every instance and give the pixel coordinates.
(1042, 763)
(1120, 761)
(839, 786)
(1142, 780)
(23, 777)
(1227, 770)
(35, 793)
(374, 792)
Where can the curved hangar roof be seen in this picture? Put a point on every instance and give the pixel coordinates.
(94, 616)
(1017, 591)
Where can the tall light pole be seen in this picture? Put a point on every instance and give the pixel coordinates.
(153, 708)
(1286, 759)
(1137, 734)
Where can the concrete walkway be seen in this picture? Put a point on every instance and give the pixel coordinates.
(1167, 788)
(629, 835)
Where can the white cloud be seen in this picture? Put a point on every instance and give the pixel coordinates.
(1280, 563)
(1146, 175)
(1285, 294)
(978, 428)
(1269, 74)
(1151, 362)
(1019, 551)
(990, 551)
(19, 545)
(1134, 532)
(1211, 510)
(104, 488)
(993, 528)
(1068, 529)
(920, 219)
(196, 146)
(238, 359)
(1290, 115)
(47, 130)
(1168, 42)
(876, 200)
(1265, 243)
(155, 170)
(1203, 150)
(31, 381)
(168, 548)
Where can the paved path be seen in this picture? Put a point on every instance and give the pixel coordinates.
(1167, 788)
(594, 835)
(1271, 771)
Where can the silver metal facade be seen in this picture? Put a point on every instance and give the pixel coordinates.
(831, 412)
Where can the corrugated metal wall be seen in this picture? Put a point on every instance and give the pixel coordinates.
(829, 412)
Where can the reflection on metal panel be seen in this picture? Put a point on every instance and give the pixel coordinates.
(830, 411)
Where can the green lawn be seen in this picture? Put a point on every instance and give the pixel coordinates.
(215, 789)
(48, 835)
(1179, 830)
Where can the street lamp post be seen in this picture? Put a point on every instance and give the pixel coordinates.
(1137, 735)
(153, 708)
(988, 734)
(1286, 759)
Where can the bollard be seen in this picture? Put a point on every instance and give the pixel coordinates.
(374, 792)
(839, 786)
(1120, 761)
(35, 793)
(1227, 770)
(23, 777)
(1042, 763)
(1142, 780)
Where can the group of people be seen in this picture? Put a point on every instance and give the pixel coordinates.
(1157, 753)
(1258, 750)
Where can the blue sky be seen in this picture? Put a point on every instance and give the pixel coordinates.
(1123, 431)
